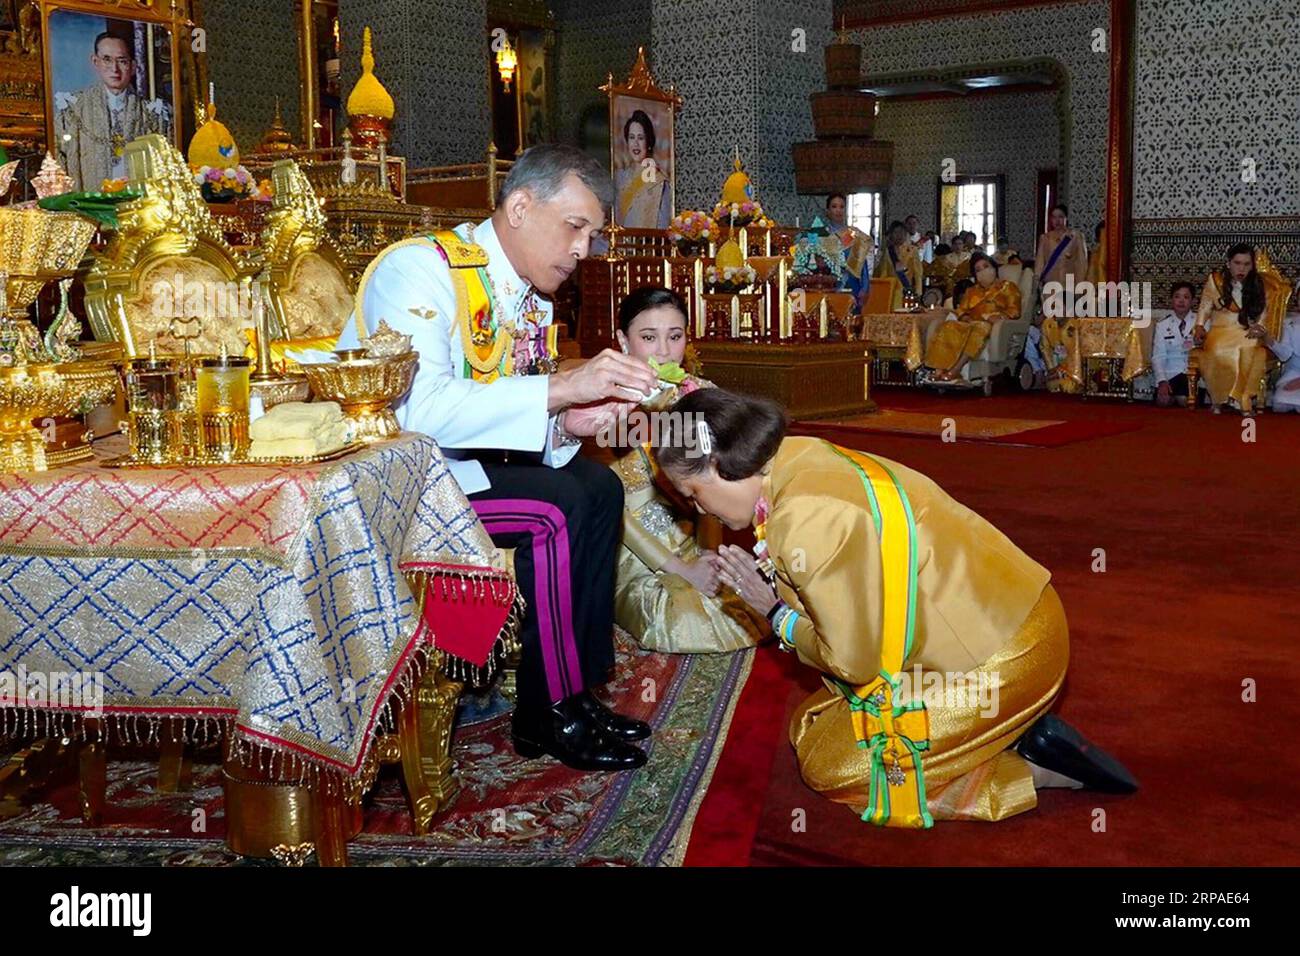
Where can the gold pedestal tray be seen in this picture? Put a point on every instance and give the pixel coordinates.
(37, 393)
(128, 461)
(365, 388)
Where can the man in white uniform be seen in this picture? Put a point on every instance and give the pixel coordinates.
(488, 390)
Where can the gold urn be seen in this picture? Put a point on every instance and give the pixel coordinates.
(41, 378)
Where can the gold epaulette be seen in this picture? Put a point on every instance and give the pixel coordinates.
(460, 254)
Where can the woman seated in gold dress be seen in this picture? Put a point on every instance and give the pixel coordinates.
(666, 591)
(942, 646)
(988, 300)
(1232, 356)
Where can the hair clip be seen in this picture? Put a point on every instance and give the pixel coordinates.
(702, 434)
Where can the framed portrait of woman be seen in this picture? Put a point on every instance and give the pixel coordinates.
(641, 149)
(112, 73)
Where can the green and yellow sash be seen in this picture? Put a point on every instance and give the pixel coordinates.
(895, 734)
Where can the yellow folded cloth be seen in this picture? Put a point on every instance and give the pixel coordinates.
(331, 438)
(296, 420)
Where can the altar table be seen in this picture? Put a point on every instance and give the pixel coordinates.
(270, 605)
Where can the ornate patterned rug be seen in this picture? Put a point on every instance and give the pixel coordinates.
(510, 811)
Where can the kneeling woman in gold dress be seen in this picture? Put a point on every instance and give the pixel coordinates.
(1232, 357)
(905, 601)
(989, 300)
(666, 590)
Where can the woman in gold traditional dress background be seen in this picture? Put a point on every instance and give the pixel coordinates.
(644, 199)
(887, 586)
(1062, 251)
(1232, 358)
(666, 590)
(988, 300)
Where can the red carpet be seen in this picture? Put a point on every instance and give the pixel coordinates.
(1200, 531)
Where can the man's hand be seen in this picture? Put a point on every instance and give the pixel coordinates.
(702, 572)
(587, 421)
(609, 375)
(1198, 335)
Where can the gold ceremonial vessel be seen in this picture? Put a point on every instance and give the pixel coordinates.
(41, 379)
(365, 387)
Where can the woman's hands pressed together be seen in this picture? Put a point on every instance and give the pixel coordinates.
(739, 571)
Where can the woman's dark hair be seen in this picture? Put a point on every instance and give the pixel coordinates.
(837, 196)
(959, 290)
(1252, 287)
(639, 116)
(1183, 284)
(1096, 233)
(647, 297)
(978, 257)
(744, 431)
(1061, 206)
(942, 249)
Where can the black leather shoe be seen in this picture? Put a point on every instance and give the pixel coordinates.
(1054, 745)
(614, 724)
(566, 733)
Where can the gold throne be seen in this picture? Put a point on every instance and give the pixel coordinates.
(309, 290)
(168, 261)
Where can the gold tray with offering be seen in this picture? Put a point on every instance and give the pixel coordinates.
(129, 461)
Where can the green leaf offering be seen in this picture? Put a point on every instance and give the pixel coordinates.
(669, 371)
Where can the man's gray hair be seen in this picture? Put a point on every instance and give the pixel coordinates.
(542, 170)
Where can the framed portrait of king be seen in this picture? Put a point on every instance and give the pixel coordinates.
(112, 74)
(641, 148)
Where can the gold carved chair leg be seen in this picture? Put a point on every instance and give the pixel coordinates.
(1193, 378)
(424, 740)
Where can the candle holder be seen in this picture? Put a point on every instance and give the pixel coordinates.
(221, 407)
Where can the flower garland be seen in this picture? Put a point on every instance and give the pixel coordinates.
(692, 226)
(226, 185)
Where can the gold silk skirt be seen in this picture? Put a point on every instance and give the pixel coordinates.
(668, 614)
(1232, 366)
(970, 772)
(1061, 355)
(956, 339)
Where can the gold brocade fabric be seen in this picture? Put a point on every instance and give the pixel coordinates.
(318, 300)
(975, 590)
(980, 307)
(1062, 356)
(957, 339)
(970, 772)
(1232, 365)
(664, 611)
(269, 595)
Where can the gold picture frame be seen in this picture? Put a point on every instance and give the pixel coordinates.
(69, 134)
(642, 162)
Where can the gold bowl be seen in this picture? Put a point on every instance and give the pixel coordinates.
(37, 245)
(365, 388)
(38, 393)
